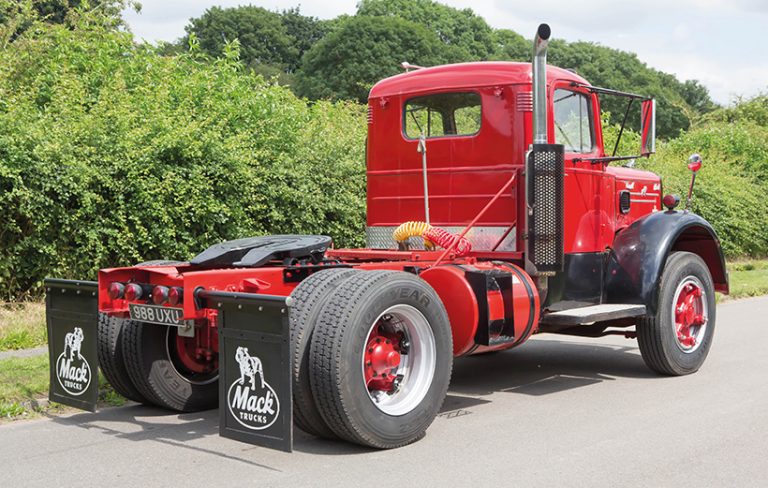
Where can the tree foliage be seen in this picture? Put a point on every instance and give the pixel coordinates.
(360, 52)
(271, 42)
(467, 36)
(262, 36)
(111, 154)
(678, 103)
(275, 43)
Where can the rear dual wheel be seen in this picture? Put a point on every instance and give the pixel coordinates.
(110, 353)
(381, 358)
(169, 370)
(309, 299)
(152, 364)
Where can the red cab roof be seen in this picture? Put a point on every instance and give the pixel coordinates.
(464, 75)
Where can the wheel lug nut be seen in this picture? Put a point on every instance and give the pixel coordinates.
(378, 340)
(388, 341)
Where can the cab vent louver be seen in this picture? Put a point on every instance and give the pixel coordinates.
(524, 102)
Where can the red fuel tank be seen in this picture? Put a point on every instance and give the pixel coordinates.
(491, 306)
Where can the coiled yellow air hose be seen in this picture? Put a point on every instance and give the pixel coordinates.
(410, 229)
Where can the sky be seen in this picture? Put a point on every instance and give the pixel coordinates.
(718, 42)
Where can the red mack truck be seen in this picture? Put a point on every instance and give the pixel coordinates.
(494, 213)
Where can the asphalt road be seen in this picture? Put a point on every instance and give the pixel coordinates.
(555, 412)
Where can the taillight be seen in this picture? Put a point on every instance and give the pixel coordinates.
(175, 295)
(160, 294)
(116, 290)
(132, 291)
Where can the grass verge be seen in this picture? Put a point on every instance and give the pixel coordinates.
(22, 325)
(24, 389)
(748, 278)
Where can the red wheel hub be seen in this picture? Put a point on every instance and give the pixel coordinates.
(381, 360)
(689, 314)
(197, 354)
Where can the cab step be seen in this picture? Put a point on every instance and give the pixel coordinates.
(593, 313)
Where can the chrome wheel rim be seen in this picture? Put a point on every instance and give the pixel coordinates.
(690, 314)
(399, 360)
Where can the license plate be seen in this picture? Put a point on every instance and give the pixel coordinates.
(155, 314)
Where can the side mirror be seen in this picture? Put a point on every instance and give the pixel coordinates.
(648, 127)
(694, 162)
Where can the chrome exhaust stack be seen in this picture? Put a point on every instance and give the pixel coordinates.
(539, 73)
(544, 179)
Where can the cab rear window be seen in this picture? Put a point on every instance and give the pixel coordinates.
(442, 115)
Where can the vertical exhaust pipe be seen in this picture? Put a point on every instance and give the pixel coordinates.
(544, 175)
(539, 71)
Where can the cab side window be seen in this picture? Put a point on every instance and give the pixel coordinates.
(573, 121)
(442, 114)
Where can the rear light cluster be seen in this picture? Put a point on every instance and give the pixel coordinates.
(133, 291)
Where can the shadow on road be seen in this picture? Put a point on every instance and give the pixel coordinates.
(539, 368)
(143, 423)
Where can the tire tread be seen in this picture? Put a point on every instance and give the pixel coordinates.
(309, 297)
(111, 358)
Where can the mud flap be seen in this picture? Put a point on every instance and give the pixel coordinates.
(255, 398)
(71, 310)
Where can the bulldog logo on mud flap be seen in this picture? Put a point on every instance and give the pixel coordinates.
(251, 401)
(72, 369)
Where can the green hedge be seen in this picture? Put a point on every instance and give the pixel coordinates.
(732, 185)
(112, 154)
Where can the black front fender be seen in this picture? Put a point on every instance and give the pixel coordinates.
(640, 251)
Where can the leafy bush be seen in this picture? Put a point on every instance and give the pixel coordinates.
(731, 186)
(112, 154)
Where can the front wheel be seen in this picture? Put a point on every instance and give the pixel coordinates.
(381, 358)
(676, 339)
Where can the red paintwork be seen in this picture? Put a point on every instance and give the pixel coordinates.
(459, 301)
(199, 354)
(689, 314)
(466, 171)
(695, 166)
(380, 360)
(461, 304)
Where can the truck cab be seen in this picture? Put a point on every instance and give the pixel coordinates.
(464, 129)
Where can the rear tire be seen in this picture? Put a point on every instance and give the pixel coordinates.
(111, 360)
(670, 343)
(309, 298)
(369, 305)
(157, 374)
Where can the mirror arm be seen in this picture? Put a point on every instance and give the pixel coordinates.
(623, 123)
(606, 159)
